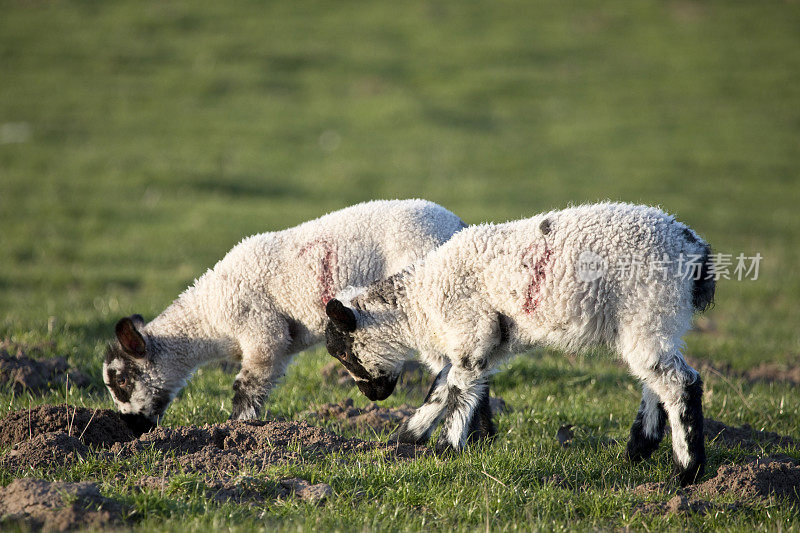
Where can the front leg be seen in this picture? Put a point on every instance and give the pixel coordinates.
(482, 427)
(254, 382)
(418, 428)
(466, 390)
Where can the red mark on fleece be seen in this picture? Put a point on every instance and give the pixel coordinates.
(538, 270)
(327, 266)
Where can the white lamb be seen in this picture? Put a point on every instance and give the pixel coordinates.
(619, 275)
(263, 302)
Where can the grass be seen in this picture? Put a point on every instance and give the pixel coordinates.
(140, 141)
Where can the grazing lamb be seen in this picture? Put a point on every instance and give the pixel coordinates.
(263, 302)
(569, 279)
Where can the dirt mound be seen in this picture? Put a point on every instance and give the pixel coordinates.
(94, 427)
(374, 416)
(755, 482)
(45, 450)
(26, 374)
(249, 444)
(57, 506)
(759, 480)
(744, 436)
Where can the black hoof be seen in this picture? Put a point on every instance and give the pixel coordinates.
(689, 475)
(639, 449)
(445, 450)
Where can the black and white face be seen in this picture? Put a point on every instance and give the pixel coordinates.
(132, 377)
(373, 365)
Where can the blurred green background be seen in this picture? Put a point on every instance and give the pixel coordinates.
(139, 141)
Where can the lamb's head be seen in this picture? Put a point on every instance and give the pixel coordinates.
(134, 373)
(363, 342)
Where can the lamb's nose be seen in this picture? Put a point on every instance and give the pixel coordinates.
(138, 423)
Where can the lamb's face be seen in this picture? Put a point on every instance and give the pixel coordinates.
(364, 351)
(133, 377)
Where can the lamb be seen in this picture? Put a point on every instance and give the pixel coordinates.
(263, 302)
(499, 289)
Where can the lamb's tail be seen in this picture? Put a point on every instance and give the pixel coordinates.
(704, 283)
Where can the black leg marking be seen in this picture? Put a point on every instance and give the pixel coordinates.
(482, 427)
(420, 435)
(640, 445)
(692, 422)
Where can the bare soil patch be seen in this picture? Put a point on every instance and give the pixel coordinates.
(236, 445)
(45, 450)
(26, 374)
(93, 427)
(744, 436)
(57, 506)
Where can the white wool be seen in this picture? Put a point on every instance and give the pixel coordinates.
(265, 300)
(497, 289)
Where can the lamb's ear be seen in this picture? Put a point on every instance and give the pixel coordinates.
(129, 337)
(342, 316)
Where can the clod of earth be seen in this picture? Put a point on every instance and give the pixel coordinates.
(26, 374)
(565, 435)
(93, 427)
(45, 450)
(680, 503)
(314, 493)
(57, 506)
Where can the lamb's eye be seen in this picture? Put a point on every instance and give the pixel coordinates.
(122, 382)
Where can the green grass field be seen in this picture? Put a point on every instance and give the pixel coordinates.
(140, 141)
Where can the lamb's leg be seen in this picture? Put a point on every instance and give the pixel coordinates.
(252, 387)
(417, 429)
(482, 426)
(464, 394)
(648, 428)
(681, 391)
(265, 356)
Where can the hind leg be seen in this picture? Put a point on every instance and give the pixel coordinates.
(680, 390)
(648, 428)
